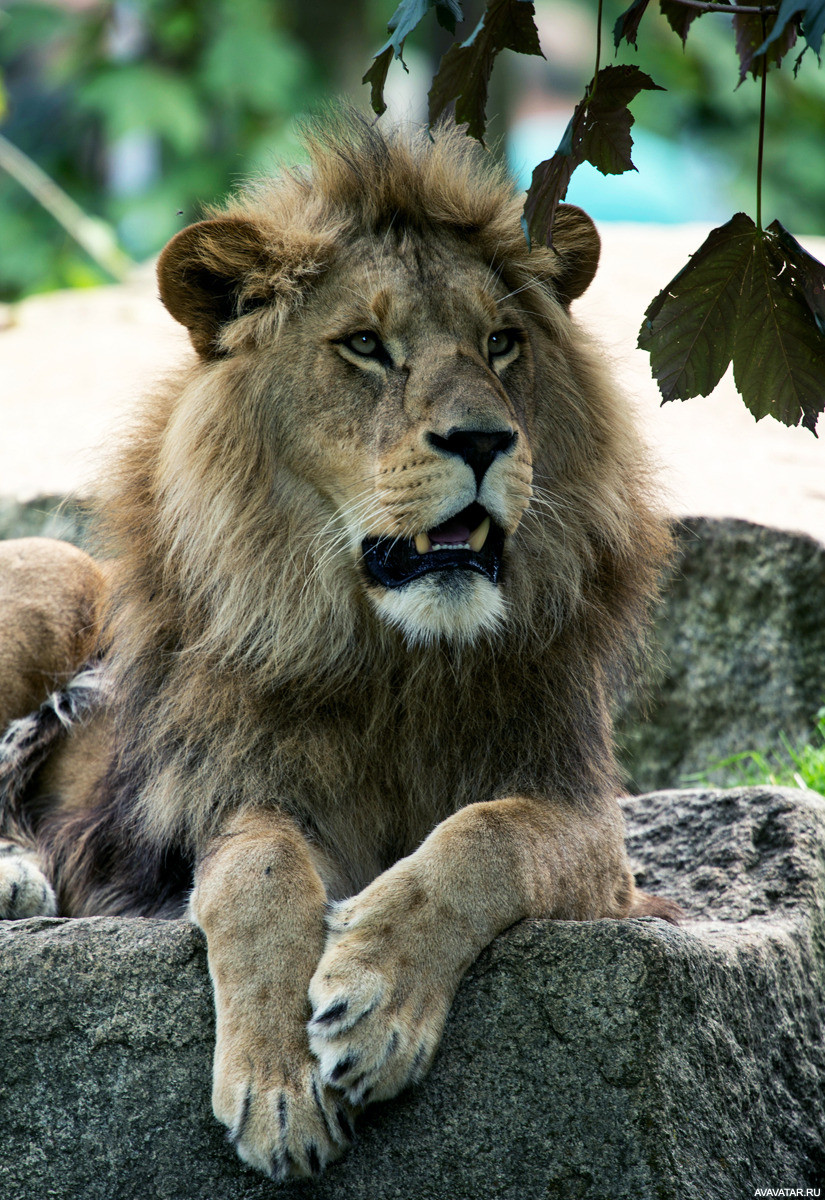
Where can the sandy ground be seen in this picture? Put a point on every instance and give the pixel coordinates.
(73, 364)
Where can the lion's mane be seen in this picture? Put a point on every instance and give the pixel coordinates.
(239, 644)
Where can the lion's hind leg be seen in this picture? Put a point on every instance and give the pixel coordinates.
(24, 889)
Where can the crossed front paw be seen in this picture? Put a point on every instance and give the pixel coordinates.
(379, 1007)
(288, 1127)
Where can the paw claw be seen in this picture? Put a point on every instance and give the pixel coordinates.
(332, 1013)
(340, 1069)
(289, 1130)
(346, 1125)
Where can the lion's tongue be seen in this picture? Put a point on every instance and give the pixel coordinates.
(451, 533)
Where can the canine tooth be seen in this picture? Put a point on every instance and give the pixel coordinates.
(479, 536)
(422, 543)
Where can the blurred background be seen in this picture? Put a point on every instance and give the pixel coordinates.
(118, 118)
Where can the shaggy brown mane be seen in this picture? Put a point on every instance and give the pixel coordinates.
(231, 623)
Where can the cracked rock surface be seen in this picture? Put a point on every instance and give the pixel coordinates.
(620, 1059)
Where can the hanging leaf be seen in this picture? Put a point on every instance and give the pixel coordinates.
(812, 13)
(401, 24)
(779, 350)
(376, 77)
(688, 328)
(598, 133)
(627, 26)
(749, 31)
(752, 297)
(448, 13)
(680, 17)
(464, 73)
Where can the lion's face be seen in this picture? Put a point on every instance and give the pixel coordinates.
(415, 383)
(407, 370)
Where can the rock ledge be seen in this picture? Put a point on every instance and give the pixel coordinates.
(625, 1059)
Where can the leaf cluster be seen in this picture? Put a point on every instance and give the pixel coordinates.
(749, 296)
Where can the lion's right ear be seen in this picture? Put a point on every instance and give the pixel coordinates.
(577, 245)
(202, 273)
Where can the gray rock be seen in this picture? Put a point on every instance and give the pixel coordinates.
(741, 653)
(621, 1059)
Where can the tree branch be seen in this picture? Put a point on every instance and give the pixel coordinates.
(731, 9)
(94, 235)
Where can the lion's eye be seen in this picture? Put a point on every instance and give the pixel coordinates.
(365, 343)
(501, 342)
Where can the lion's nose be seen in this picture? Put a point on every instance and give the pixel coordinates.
(478, 447)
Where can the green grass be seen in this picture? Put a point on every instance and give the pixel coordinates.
(800, 766)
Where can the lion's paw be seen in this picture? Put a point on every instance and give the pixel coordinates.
(24, 889)
(288, 1130)
(378, 1009)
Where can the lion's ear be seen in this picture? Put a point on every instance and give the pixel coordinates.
(202, 272)
(577, 244)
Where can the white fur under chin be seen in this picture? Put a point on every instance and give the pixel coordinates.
(458, 607)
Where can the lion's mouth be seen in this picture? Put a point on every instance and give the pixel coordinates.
(469, 541)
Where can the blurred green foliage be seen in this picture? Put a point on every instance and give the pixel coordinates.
(142, 109)
(139, 110)
(801, 766)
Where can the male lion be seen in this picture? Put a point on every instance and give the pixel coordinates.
(376, 560)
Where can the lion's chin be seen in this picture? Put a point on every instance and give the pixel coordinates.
(456, 606)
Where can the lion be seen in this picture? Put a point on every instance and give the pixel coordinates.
(375, 562)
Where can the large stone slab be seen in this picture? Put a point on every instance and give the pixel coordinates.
(582, 1061)
(740, 653)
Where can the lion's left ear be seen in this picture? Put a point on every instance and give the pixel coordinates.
(577, 246)
(202, 272)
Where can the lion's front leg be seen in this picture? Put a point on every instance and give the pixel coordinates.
(260, 901)
(396, 952)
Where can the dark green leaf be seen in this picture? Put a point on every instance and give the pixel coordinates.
(812, 13)
(598, 133)
(606, 141)
(750, 36)
(404, 20)
(679, 16)
(401, 24)
(779, 347)
(689, 327)
(808, 273)
(376, 77)
(548, 187)
(627, 26)
(448, 13)
(465, 70)
(756, 298)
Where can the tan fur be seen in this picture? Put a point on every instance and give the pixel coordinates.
(49, 596)
(433, 761)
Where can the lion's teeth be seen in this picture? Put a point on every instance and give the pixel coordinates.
(479, 536)
(422, 543)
